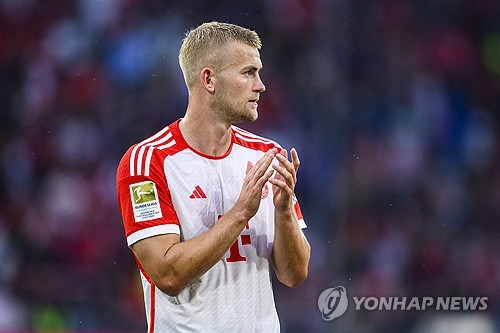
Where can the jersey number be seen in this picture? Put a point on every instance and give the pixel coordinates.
(234, 250)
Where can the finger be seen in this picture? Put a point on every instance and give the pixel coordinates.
(260, 176)
(264, 166)
(285, 162)
(255, 166)
(281, 185)
(263, 160)
(259, 184)
(249, 167)
(285, 175)
(262, 180)
(295, 159)
(287, 165)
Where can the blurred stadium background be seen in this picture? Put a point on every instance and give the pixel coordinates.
(394, 106)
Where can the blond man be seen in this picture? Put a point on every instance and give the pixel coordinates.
(222, 210)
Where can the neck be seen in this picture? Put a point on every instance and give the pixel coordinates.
(204, 132)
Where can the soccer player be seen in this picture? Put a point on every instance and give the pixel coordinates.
(209, 208)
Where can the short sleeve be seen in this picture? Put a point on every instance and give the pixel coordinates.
(145, 202)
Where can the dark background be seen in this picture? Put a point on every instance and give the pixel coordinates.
(392, 105)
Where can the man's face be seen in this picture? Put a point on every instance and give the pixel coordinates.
(238, 84)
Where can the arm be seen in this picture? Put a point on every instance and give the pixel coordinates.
(172, 265)
(291, 250)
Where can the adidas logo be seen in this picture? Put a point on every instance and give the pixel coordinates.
(197, 193)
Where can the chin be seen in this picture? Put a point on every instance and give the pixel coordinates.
(244, 120)
(246, 117)
(253, 115)
(242, 115)
(251, 118)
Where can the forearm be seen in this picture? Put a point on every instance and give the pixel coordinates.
(184, 262)
(291, 250)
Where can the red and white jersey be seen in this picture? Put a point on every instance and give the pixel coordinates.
(165, 186)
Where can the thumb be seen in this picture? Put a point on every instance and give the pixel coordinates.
(249, 166)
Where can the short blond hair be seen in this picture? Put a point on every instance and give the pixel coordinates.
(200, 47)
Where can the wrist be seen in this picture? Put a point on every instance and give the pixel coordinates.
(238, 216)
(284, 214)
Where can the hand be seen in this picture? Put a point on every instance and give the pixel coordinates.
(285, 179)
(256, 177)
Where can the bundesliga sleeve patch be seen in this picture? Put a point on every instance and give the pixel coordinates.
(145, 203)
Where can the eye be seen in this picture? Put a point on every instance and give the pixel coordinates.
(250, 72)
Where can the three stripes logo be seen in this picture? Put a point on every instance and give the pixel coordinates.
(197, 193)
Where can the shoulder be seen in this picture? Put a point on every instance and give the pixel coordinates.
(252, 141)
(138, 159)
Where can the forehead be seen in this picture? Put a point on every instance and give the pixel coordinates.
(237, 54)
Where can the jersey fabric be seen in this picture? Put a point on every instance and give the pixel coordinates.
(165, 186)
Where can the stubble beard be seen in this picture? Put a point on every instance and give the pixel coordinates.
(230, 112)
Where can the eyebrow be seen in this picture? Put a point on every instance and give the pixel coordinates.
(253, 68)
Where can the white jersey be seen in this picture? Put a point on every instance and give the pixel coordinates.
(165, 186)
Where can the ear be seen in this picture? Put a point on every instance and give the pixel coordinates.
(207, 79)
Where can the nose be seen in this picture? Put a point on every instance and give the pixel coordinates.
(259, 85)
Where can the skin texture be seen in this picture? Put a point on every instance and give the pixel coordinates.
(226, 94)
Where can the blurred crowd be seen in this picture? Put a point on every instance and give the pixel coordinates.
(393, 106)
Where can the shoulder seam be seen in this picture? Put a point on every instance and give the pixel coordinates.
(250, 137)
(140, 164)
